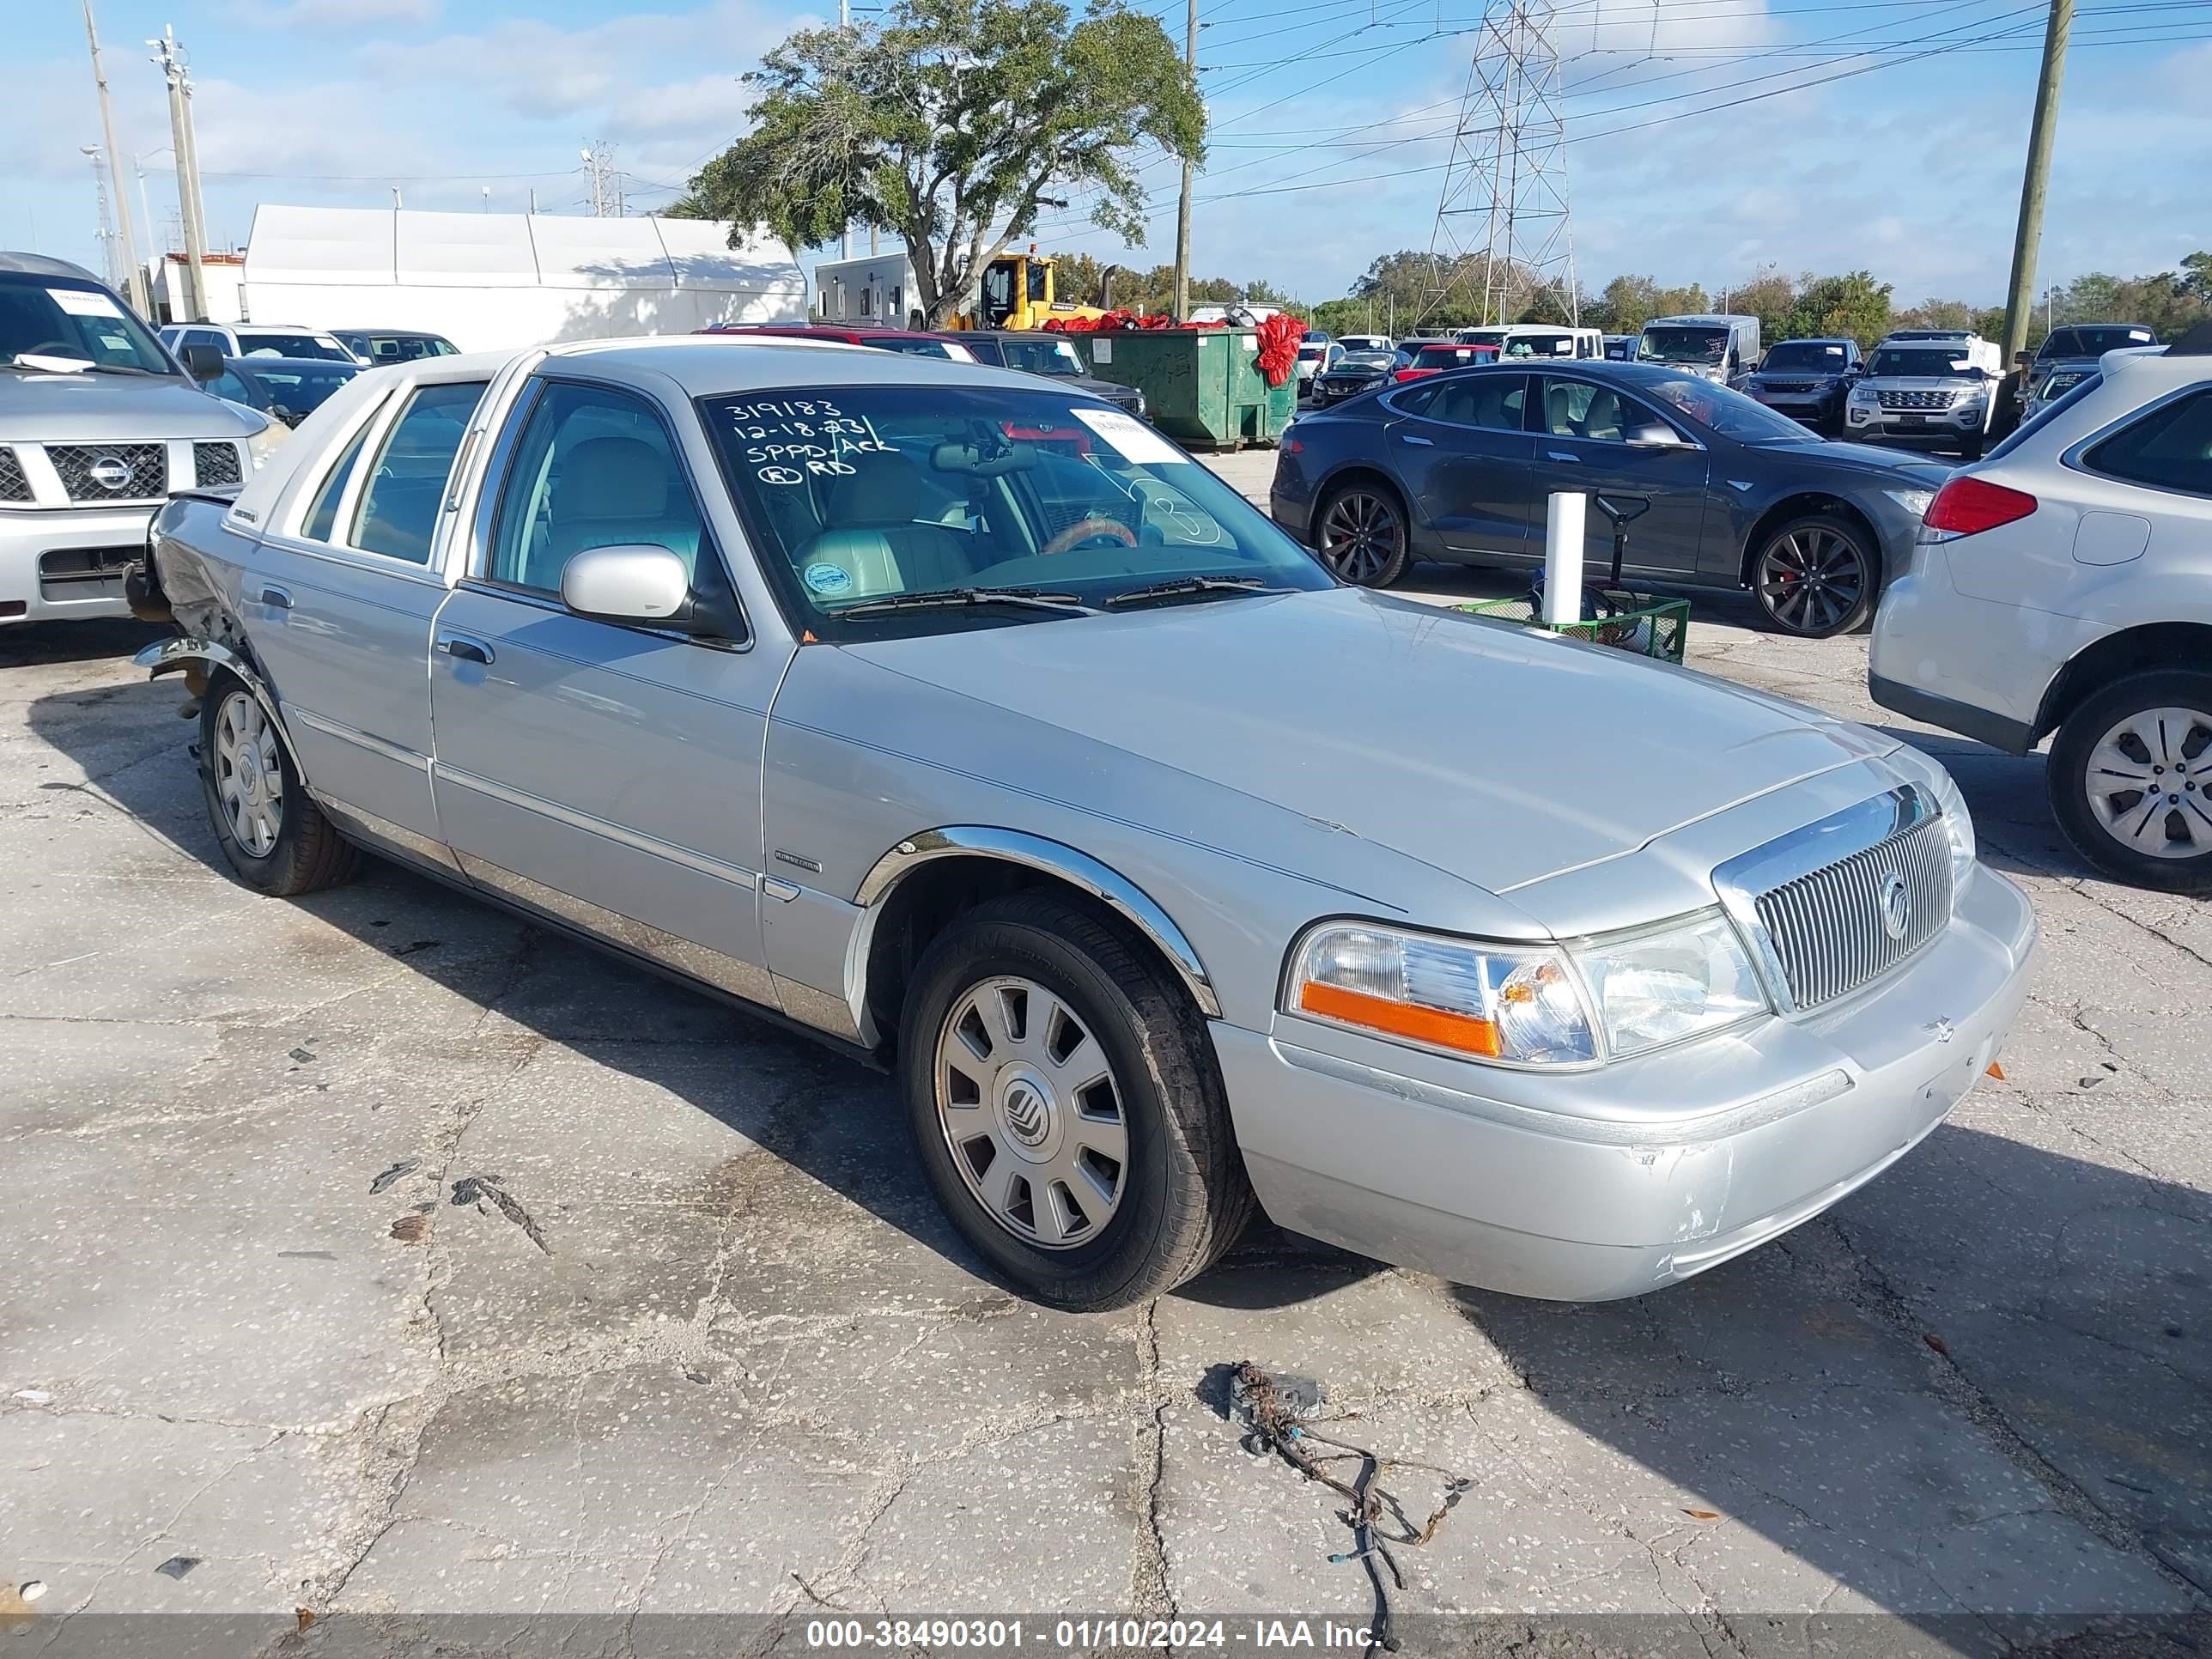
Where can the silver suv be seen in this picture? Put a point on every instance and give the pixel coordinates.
(1926, 386)
(98, 425)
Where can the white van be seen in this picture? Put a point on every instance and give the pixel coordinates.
(1535, 340)
(1721, 346)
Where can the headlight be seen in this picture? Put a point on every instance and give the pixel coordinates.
(264, 443)
(1863, 394)
(1914, 501)
(1960, 824)
(1528, 1004)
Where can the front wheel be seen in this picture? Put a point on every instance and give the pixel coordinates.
(1361, 535)
(2131, 779)
(1816, 577)
(276, 838)
(1067, 1107)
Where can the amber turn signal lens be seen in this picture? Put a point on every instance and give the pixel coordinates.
(1434, 1025)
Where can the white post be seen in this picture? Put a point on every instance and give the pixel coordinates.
(1564, 520)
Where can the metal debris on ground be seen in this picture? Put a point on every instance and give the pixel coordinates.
(1279, 1415)
(406, 1166)
(483, 1189)
(178, 1565)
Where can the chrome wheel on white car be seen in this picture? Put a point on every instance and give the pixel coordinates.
(2130, 779)
(249, 773)
(1031, 1112)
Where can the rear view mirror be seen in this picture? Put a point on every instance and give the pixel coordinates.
(203, 362)
(1654, 435)
(628, 582)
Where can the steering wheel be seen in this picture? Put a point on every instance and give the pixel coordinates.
(68, 349)
(1084, 531)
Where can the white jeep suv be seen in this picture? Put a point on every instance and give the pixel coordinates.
(2064, 583)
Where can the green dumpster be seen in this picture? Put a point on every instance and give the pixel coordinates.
(1188, 375)
(1262, 411)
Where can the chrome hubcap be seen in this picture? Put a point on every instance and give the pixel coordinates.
(1359, 536)
(2147, 778)
(249, 778)
(1811, 580)
(1032, 1113)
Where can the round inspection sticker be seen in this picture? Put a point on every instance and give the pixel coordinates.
(828, 579)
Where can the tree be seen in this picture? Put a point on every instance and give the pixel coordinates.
(2199, 280)
(1834, 308)
(948, 124)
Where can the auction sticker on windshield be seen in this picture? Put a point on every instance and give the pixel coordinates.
(84, 302)
(1129, 438)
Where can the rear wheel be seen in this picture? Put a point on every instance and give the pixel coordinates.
(277, 839)
(1816, 576)
(2131, 779)
(1361, 534)
(1067, 1107)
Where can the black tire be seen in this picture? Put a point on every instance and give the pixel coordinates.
(1816, 576)
(1363, 533)
(307, 852)
(2081, 784)
(1183, 1199)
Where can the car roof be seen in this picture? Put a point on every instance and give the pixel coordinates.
(265, 360)
(733, 360)
(40, 265)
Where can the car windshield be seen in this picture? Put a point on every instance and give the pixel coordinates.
(272, 342)
(1539, 345)
(1940, 361)
(1043, 356)
(1682, 343)
(1367, 360)
(1803, 354)
(73, 325)
(300, 386)
(860, 495)
(2075, 340)
(1729, 413)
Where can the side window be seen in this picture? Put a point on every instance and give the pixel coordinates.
(1580, 408)
(322, 517)
(2169, 448)
(399, 506)
(1491, 401)
(1417, 401)
(205, 336)
(595, 467)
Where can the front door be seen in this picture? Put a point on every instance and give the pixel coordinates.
(604, 774)
(1581, 444)
(341, 594)
(1465, 460)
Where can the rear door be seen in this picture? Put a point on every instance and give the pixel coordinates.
(340, 598)
(1459, 446)
(1582, 445)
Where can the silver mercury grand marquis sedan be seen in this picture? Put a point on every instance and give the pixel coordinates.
(963, 720)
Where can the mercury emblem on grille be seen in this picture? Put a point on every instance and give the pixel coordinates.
(1896, 906)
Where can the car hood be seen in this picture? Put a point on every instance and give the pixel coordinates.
(80, 408)
(1866, 461)
(1492, 752)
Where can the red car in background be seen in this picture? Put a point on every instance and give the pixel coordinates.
(884, 339)
(1434, 356)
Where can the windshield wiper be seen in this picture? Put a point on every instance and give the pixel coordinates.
(39, 364)
(943, 597)
(1182, 585)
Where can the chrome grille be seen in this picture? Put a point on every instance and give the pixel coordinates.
(215, 463)
(14, 486)
(1827, 927)
(145, 471)
(1915, 400)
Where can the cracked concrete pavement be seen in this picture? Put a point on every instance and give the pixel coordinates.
(750, 1371)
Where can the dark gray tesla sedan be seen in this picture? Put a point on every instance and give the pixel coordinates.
(1726, 492)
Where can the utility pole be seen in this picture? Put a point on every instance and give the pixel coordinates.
(2028, 238)
(107, 253)
(845, 27)
(1182, 208)
(166, 53)
(134, 288)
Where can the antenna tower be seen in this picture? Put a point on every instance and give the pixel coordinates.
(1502, 233)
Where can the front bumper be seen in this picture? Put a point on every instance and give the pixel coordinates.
(1813, 408)
(67, 564)
(1603, 1184)
(1914, 425)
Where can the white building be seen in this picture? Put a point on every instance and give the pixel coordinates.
(169, 284)
(872, 288)
(493, 281)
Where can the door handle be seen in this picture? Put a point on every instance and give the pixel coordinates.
(1414, 438)
(1570, 459)
(466, 648)
(275, 598)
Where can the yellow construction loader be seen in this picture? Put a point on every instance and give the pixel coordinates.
(1017, 292)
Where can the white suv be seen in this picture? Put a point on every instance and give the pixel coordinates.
(2064, 583)
(258, 340)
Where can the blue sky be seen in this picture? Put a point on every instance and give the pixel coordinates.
(1790, 131)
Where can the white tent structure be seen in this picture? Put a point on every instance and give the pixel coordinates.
(490, 281)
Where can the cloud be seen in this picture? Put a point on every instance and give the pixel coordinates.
(337, 14)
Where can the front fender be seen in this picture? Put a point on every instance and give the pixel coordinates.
(196, 657)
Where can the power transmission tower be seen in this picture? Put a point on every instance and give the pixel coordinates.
(1502, 217)
(111, 255)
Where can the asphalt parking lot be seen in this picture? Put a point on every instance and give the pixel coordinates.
(375, 1254)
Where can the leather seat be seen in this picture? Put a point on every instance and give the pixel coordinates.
(613, 490)
(875, 539)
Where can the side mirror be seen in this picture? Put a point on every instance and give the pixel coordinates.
(628, 582)
(1656, 435)
(203, 362)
